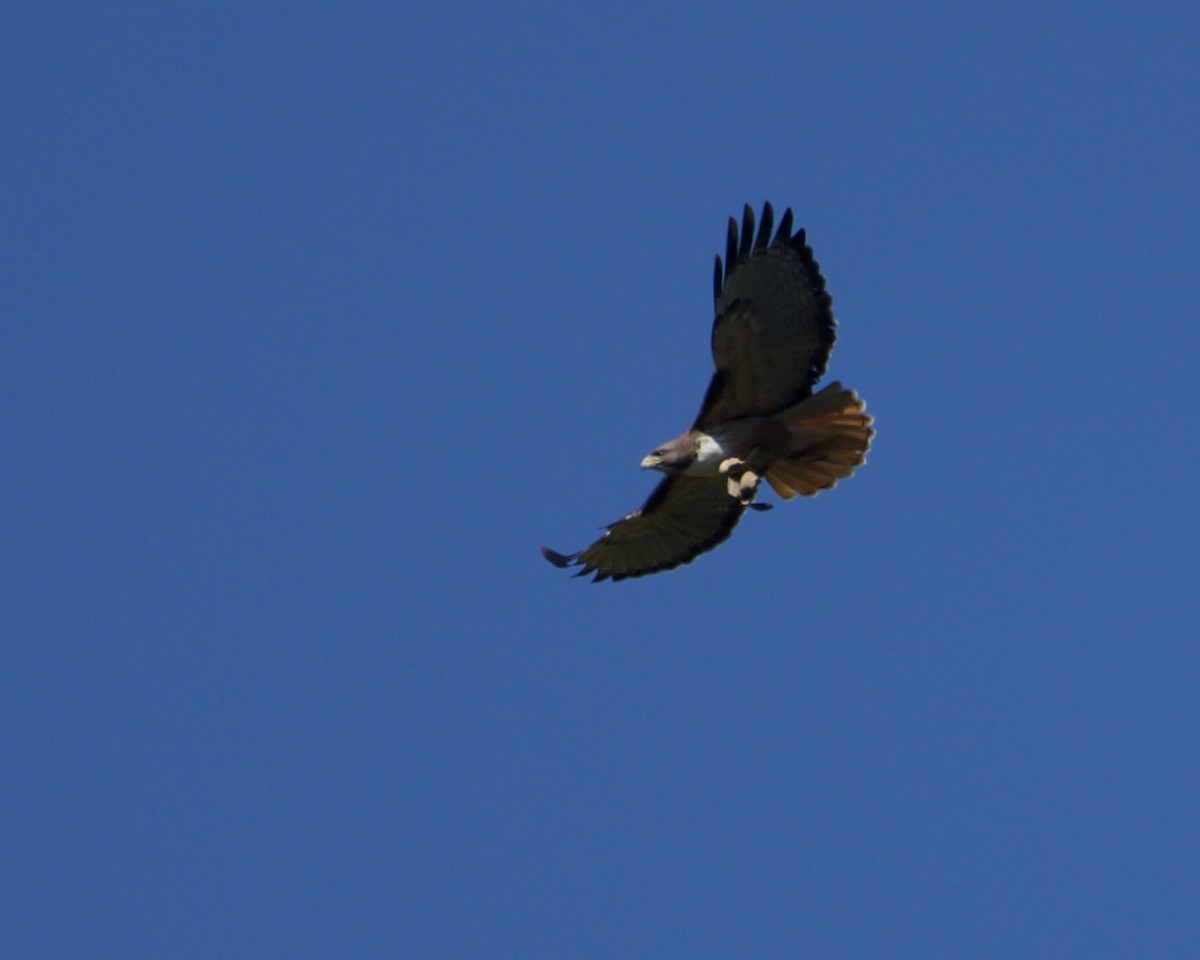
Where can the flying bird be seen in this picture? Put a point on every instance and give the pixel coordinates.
(771, 340)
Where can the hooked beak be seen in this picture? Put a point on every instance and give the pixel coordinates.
(648, 463)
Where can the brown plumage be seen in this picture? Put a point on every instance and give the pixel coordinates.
(771, 340)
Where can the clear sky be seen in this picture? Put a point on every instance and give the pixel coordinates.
(317, 319)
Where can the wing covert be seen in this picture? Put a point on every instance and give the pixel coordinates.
(774, 326)
(683, 517)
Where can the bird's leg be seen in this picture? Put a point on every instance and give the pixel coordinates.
(735, 466)
(749, 486)
(744, 488)
(742, 481)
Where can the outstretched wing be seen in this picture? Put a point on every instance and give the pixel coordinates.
(684, 517)
(774, 326)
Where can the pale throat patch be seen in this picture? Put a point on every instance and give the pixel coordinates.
(709, 456)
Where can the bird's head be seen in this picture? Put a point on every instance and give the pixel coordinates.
(673, 457)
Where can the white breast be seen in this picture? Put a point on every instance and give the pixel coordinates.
(709, 455)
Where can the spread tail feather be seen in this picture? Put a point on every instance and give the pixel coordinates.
(833, 433)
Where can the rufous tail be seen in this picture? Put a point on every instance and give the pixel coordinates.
(832, 433)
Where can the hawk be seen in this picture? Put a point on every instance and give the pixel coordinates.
(771, 340)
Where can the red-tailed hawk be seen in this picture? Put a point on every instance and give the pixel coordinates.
(771, 340)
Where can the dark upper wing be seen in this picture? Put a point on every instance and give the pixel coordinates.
(684, 517)
(774, 327)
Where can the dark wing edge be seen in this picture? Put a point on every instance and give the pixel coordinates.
(738, 248)
(682, 518)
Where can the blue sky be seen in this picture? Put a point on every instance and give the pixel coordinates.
(319, 319)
